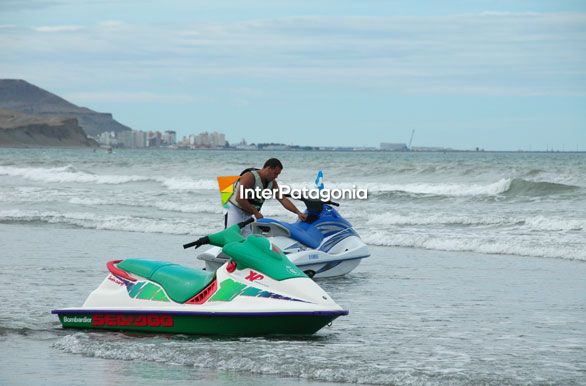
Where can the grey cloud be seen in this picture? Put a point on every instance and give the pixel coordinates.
(493, 53)
(23, 5)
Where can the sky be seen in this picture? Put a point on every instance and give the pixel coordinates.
(498, 75)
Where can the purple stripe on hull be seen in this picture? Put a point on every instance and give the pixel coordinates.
(199, 313)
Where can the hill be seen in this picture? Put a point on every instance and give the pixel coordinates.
(19, 95)
(24, 130)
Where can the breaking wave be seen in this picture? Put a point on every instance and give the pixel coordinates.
(443, 189)
(66, 174)
(509, 187)
(521, 187)
(166, 206)
(533, 223)
(509, 246)
(439, 219)
(187, 184)
(71, 174)
(105, 222)
(554, 224)
(506, 186)
(531, 236)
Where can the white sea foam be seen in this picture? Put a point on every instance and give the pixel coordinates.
(555, 224)
(188, 184)
(539, 223)
(439, 219)
(189, 208)
(106, 222)
(88, 201)
(444, 189)
(479, 243)
(224, 357)
(71, 174)
(29, 196)
(67, 174)
(167, 206)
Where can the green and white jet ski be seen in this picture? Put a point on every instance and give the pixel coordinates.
(258, 291)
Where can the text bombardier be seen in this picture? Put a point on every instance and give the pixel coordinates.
(353, 193)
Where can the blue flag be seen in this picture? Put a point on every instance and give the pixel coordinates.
(319, 180)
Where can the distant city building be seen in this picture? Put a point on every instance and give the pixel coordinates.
(217, 139)
(386, 146)
(169, 137)
(154, 139)
(242, 145)
(202, 140)
(139, 139)
(132, 139)
(126, 138)
(206, 140)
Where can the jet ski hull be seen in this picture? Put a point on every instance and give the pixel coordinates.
(198, 323)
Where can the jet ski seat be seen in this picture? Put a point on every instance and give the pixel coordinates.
(179, 282)
(301, 231)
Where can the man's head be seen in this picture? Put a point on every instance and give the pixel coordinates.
(271, 169)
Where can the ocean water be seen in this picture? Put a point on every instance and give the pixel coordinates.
(477, 273)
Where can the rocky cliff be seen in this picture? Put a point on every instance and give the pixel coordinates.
(19, 95)
(24, 130)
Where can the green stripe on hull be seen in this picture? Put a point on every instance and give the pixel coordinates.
(229, 289)
(199, 324)
(148, 291)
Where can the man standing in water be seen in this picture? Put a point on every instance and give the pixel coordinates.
(241, 209)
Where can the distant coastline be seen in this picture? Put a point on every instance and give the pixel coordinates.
(328, 150)
(33, 117)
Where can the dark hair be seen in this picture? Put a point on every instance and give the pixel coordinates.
(273, 163)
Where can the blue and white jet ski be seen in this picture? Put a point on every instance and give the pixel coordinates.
(325, 245)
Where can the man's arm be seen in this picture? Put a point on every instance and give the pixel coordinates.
(287, 204)
(247, 182)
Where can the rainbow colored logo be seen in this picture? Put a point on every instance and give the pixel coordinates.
(226, 184)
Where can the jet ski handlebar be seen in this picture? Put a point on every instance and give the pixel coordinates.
(311, 201)
(206, 240)
(197, 243)
(245, 223)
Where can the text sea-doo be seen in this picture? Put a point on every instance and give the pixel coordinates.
(324, 245)
(257, 291)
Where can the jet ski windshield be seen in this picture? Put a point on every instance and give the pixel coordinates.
(253, 252)
(260, 254)
(314, 206)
